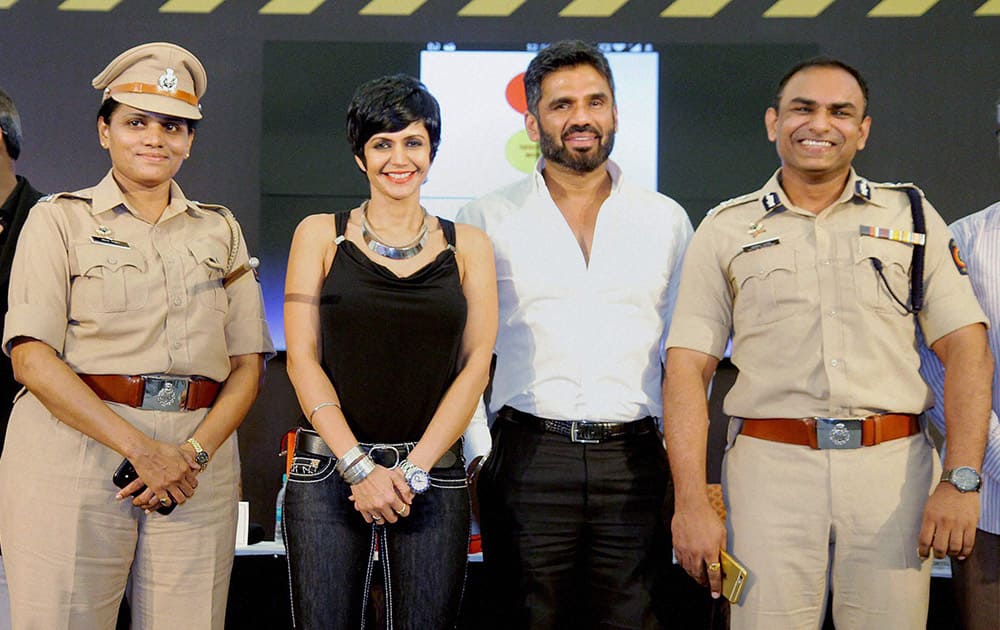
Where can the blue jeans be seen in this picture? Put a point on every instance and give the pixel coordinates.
(331, 551)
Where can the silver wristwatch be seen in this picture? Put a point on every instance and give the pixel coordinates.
(416, 477)
(964, 478)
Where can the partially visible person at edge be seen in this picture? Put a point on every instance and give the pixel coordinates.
(137, 334)
(977, 578)
(571, 498)
(18, 197)
(390, 318)
(831, 483)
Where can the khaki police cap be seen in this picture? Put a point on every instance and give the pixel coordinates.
(159, 77)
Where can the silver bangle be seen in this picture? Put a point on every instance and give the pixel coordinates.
(359, 471)
(328, 403)
(349, 458)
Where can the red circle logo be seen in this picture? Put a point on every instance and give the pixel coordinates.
(515, 94)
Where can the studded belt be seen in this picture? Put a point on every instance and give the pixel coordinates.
(836, 433)
(308, 442)
(581, 431)
(160, 392)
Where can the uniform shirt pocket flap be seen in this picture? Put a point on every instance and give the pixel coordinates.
(209, 253)
(762, 263)
(94, 255)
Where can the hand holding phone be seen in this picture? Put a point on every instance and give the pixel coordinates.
(734, 577)
(126, 474)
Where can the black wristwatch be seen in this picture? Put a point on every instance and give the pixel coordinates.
(964, 478)
(416, 477)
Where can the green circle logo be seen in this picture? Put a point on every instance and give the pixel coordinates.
(522, 152)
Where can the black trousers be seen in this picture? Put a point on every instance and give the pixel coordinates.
(573, 534)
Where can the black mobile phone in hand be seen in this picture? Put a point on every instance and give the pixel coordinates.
(126, 474)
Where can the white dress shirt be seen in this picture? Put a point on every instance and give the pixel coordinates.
(579, 341)
(978, 240)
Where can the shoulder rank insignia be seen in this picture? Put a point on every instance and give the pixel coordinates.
(771, 201)
(862, 189)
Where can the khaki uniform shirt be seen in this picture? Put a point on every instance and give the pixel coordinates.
(815, 330)
(115, 294)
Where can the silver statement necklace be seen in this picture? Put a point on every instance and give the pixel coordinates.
(378, 245)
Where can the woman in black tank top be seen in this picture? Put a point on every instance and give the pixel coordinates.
(390, 320)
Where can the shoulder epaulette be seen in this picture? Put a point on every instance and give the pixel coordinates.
(729, 203)
(234, 229)
(223, 210)
(897, 186)
(63, 195)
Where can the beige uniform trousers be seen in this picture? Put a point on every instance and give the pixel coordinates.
(798, 517)
(70, 548)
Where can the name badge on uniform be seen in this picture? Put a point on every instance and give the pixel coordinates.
(900, 236)
(104, 240)
(767, 242)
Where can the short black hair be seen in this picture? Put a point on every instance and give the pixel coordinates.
(389, 104)
(10, 124)
(564, 54)
(109, 106)
(821, 62)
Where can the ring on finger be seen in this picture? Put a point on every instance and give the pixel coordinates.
(401, 511)
(714, 566)
(165, 501)
(376, 517)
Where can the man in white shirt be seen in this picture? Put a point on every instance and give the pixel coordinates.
(572, 494)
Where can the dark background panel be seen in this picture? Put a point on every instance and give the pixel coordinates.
(934, 83)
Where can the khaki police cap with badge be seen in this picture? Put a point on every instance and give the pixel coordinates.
(160, 77)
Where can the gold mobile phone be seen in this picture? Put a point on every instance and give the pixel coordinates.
(734, 577)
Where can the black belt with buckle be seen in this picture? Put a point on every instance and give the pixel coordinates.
(581, 431)
(308, 442)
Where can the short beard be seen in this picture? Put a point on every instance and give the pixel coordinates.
(588, 162)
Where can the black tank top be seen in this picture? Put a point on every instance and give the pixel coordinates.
(391, 344)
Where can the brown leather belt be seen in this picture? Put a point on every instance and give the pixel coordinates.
(160, 392)
(833, 432)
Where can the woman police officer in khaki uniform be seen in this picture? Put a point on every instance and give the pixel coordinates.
(137, 336)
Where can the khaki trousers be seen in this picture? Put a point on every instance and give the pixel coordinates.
(70, 549)
(807, 522)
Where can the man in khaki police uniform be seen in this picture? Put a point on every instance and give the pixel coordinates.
(828, 464)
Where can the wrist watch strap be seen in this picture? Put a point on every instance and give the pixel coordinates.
(200, 454)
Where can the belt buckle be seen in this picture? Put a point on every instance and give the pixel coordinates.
(387, 448)
(164, 394)
(838, 433)
(593, 433)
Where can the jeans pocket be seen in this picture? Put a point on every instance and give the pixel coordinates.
(452, 477)
(310, 468)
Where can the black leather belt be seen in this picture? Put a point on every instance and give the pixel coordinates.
(582, 431)
(308, 442)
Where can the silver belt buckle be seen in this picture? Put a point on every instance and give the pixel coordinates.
(162, 393)
(588, 435)
(838, 432)
(387, 448)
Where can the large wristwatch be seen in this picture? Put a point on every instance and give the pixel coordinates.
(416, 477)
(200, 454)
(965, 478)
